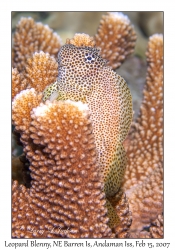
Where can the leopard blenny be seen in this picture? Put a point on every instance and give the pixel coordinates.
(84, 76)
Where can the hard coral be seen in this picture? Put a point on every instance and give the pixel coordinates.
(121, 206)
(116, 38)
(18, 83)
(40, 71)
(22, 105)
(156, 228)
(31, 37)
(81, 40)
(66, 187)
(75, 147)
(143, 180)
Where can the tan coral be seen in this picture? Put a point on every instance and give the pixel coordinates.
(41, 70)
(146, 200)
(123, 111)
(116, 38)
(120, 204)
(142, 235)
(22, 105)
(143, 180)
(31, 37)
(66, 197)
(18, 82)
(156, 228)
(81, 39)
(77, 74)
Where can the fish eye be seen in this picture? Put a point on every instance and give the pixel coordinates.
(89, 58)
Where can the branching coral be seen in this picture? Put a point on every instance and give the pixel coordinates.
(121, 206)
(66, 187)
(116, 37)
(40, 71)
(144, 175)
(31, 37)
(18, 83)
(74, 140)
(156, 229)
(81, 40)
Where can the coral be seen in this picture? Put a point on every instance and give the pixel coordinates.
(22, 105)
(18, 83)
(81, 40)
(121, 207)
(41, 70)
(31, 37)
(66, 198)
(116, 38)
(143, 180)
(156, 228)
(73, 117)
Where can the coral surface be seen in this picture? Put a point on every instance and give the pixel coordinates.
(116, 37)
(66, 197)
(31, 37)
(72, 117)
(143, 180)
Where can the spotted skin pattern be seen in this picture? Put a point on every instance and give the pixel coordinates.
(49, 90)
(84, 76)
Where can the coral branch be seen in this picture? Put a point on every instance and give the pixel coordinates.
(22, 105)
(18, 83)
(82, 76)
(31, 37)
(144, 176)
(41, 70)
(81, 40)
(116, 38)
(121, 207)
(156, 228)
(66, 197)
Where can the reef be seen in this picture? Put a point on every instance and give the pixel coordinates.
(72, 116)
(143, 180)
